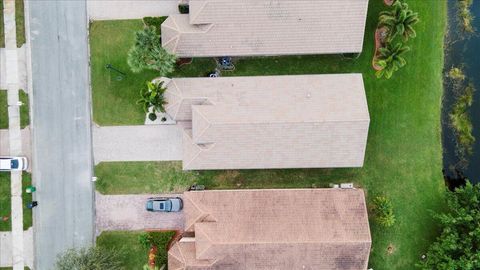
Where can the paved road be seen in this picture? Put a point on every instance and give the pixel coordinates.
(127, 212)
(61, 138)
(137, 143)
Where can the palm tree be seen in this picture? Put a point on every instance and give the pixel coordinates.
(152, 97)
(390, 59)
(399, 21)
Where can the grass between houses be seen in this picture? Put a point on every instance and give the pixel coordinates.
(135, 255)
(20, 22)
(5, 202)
(404, 155)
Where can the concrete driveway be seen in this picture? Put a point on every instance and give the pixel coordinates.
(26, 146)
(127, 213)
(137, 143)
(130, 9)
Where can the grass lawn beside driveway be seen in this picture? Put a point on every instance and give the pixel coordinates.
(135, 255)
(114, 101)
(403, 158)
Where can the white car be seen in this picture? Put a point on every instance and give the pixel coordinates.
(13, 164)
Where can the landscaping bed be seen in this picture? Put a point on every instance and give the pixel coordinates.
(403, 158)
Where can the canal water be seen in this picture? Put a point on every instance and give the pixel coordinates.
(461, 50)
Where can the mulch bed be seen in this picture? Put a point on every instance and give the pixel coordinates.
(379, 36)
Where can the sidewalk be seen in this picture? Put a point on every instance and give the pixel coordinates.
(6, 248)
(16, 251)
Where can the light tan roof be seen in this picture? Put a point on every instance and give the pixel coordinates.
(265, 27)
(276, 229)
(304, 121)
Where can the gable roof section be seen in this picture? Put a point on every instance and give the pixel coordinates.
(265, 27)
(282, 229)
(299, 121)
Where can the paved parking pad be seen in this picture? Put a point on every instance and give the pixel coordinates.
(127, 213)
(137, 143)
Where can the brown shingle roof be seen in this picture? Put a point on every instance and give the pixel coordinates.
(276, 229)
(271, 121)
(264, 27)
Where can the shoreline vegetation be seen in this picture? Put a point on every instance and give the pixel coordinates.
(459, 116)
(465, 15)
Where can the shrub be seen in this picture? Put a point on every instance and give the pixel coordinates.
(390, 59)
(155, 22)
(90, 259)
(383, 211)
(152, 97)
(159, 240)
(147, 53)
(184, 9)
(399, 21)
(457, 247)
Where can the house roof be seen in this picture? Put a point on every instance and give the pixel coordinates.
(275, 229)
(300, 121)
(265, 27)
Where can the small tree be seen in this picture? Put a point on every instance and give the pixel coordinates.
(148, 53)
(152, 97)
(383, 211)
(391, 59)
(458, 246)
(400, 21)
(90, 259)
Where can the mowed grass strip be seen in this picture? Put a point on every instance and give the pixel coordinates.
(3, 109)
(404, 154)
(20, 22)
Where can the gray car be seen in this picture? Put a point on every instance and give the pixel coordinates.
(163, 204)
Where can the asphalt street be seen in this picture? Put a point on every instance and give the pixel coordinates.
(61, 139)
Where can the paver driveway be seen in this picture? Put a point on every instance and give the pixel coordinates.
(127, 212)
(137, 143)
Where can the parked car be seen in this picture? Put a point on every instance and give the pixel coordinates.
(13, 163)
(164, 204)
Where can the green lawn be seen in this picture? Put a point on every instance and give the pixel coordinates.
(3, 109)
(20, 22)
(404, 154)
(142, 177)
(24, 109)
(136, 256)
(114, 100)
(5, 204)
